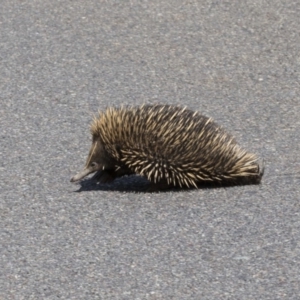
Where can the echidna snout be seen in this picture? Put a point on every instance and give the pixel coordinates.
(93, 167)
(98, 160)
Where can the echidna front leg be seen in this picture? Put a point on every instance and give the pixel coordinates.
(104, 176)
(107, 176)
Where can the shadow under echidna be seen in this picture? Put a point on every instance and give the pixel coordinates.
(169, 145)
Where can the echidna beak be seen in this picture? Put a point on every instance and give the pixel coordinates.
(81, 174)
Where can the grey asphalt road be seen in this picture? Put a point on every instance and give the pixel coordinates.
(61, 61)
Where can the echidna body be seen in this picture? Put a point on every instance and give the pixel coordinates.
(168, 145)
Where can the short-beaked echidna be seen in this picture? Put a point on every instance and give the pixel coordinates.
(167, 144)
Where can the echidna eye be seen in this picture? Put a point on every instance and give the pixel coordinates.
(94, 164)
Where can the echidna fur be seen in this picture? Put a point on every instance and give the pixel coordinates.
(168, 145)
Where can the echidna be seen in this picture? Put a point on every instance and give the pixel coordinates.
(169, 145)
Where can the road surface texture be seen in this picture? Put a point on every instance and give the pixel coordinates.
(61, 61)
